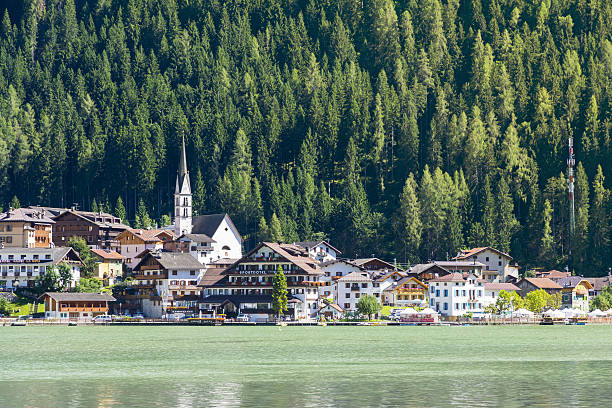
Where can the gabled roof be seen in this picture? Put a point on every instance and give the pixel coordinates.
(78, 297)
(363, 261)
(420, 268)
(312, 244)
(211, 277)
(340, 260)
(508, 287)
(91, 218)
(291, 252)
(106, 254)
(197, 238)
(451, 277)
(333, 306)
(543, 283)
(355, 277)
(468, 253)
(209, 224)
(149, 235)
(573, 281)
(599, 283)
(173, 260)
(450, 264)
(400, 283)
(26, 215)
(554, 274)
(386, 276)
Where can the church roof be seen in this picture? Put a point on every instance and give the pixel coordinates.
(183, 184)
(209, 224)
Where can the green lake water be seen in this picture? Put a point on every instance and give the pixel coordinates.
(518, 366)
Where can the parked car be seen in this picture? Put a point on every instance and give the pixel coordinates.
(242, 318)
(25, 317)
(138, 316)
(103, 319)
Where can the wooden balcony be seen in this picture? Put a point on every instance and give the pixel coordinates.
(185, 287)
(150, 277)
(83, 309)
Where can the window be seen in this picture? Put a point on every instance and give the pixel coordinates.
(357, 295)
(445, 306)
(457, 306)
(347, 285)
(456, 292)
(487, 259)
(347, 305)
(437, 292)
(9, 240)
(445, 292)
(499, 263)
(9, 228)
(347, 295)
(433, 290)
(463, 294)
(364, 285)
(192, 273)
(174, 273)
(479, 292)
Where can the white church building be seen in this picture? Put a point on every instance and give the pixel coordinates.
(208, 238)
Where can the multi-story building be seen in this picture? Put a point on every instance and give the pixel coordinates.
(98, 229)
(246, 286)
(20, 267)
(26, 228)
(333, 270)
(322, 251)
(499, 266)
(226, 240)
(349, 289)
(109, 265)
(575, 292)
(406, 292)
(455, 295)
(167, 283)
(527, 285)
(198, 245)
(132, 242)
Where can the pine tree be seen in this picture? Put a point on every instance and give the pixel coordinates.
(120, 211)
(546, 251)
(506, 222)
(580, 239)
(409, 226)
(279, 292)
(600, 224)
(488, 219)
(275, 231)
(15, 203)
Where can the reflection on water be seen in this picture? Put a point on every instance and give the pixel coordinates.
(306, 367)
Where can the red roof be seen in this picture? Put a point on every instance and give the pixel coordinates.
(107, 254)
(543, 283)
(508, 287)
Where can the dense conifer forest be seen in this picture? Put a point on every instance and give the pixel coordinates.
(406, 129)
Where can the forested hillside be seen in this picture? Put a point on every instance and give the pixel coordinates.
(408, 129)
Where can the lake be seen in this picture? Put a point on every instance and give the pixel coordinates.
(175, 366)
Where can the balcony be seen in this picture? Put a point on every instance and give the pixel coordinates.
(83, 309)
(156, 276)
(183, 287)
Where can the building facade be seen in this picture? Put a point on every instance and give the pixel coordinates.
(166, 284)
(20, 267)
(67, 305)
(349, 289)
(406, 292)
(246, 286)
(453, 295)
(499, 266)
(132, 242)
(109, 266)
(26, 228)
(98, 229)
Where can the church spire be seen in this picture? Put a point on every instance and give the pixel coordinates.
(183, 161)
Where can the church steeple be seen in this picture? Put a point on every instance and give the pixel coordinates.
(182, 196)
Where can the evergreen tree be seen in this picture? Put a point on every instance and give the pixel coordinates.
(120, 210)
(409, 226)
(275, 231)
(279, 292)
(600, 224)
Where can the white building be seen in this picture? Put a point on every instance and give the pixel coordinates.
(350, 288)
(246, 286)
(332, 271)
(133, 242)
(226, 241)
(453, 295)
(499, 266)
(167, 283)
(322, 251)
(182, 197)
(492, 290)
(20, 267)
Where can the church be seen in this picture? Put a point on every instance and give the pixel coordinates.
(209, 238)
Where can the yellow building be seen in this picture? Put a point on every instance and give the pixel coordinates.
(109, 266)
(25, 228)
(406, 292)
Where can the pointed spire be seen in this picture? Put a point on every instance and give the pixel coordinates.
(183, 161)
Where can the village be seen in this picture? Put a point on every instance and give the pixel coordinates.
(196, 269)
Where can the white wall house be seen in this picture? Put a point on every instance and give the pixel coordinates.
(332, 271)
(453, 295)
(20, 267)
(322, 251)
(492, 290)
(499, 266)
(349, 289)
